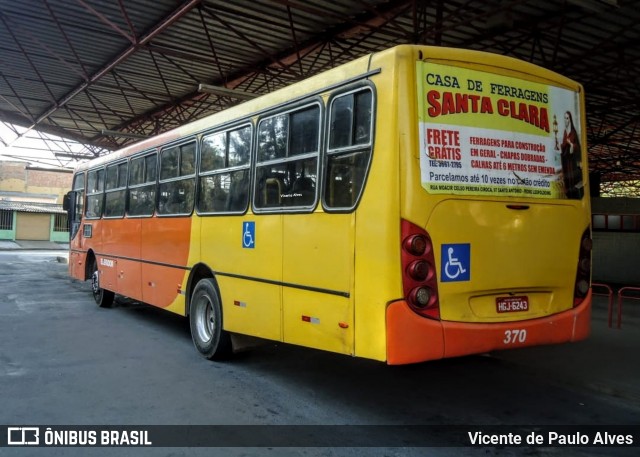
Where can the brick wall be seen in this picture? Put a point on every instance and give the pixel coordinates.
(20, 177)
(50, 179)
(12, 170)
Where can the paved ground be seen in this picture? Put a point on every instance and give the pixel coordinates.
(65, 361)
(610, 349)
(607, 362)
(6, 245)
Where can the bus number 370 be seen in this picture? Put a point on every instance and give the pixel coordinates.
(515, 336)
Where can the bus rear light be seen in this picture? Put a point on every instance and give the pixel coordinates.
(583, 274)
(416, 245)
(424, 301)
(419, 278)
(587, 244)
(419, 270)
(420, 297)
(585, 264)
(582, 287)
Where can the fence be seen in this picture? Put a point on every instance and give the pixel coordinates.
(607, 291)
(621, 295)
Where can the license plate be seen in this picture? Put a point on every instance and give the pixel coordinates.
(512, 304)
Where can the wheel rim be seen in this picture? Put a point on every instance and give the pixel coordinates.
(205, 318)
(95, 283)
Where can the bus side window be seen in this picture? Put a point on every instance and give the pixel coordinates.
(76, 217)
(272, 192)
(177, 179)
(95, 189)
(348, 157)
(345, 176)
(287, 159)
(142, 185)
(341, 124)
(238, 196)
(304, 190)
(224, 171)
(340, 185)
(115, 192)
(176, 197)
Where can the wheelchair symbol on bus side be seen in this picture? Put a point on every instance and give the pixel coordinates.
(248, 234)
(456, 262)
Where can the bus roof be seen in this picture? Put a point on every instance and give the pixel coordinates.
(341, 75)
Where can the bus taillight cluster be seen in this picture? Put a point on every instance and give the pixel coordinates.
(419, 278)
(583, 276)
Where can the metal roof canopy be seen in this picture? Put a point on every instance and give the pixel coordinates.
(31, 207)
(88, 69)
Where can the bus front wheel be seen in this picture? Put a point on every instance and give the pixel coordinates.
(104, 298)
(205, 319)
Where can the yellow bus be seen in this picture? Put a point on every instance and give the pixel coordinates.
(413, 204)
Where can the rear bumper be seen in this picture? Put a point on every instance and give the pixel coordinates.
(412, 338)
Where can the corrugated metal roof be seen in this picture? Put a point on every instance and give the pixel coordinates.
(31, 207)
(76, 68)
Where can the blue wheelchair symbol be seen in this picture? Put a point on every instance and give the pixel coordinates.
(248, 234)
(456, 262)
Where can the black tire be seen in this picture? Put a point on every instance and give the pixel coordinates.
(103, 297)
(205, 321)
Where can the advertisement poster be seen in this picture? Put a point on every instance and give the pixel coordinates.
(487, 134)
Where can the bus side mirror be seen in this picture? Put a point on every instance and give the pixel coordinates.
(66, 201)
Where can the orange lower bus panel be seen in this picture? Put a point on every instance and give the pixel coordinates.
(412, 338)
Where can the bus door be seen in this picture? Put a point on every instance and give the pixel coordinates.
(165, 249)
(73, 204)
(318, 247)
(166, 240)
(317, 275)
(246, 253)
(121, 247)
(120, 236)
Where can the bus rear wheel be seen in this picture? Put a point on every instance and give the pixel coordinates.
(205, 320)
(104, 298)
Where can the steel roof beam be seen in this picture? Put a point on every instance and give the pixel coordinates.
(159, 28)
